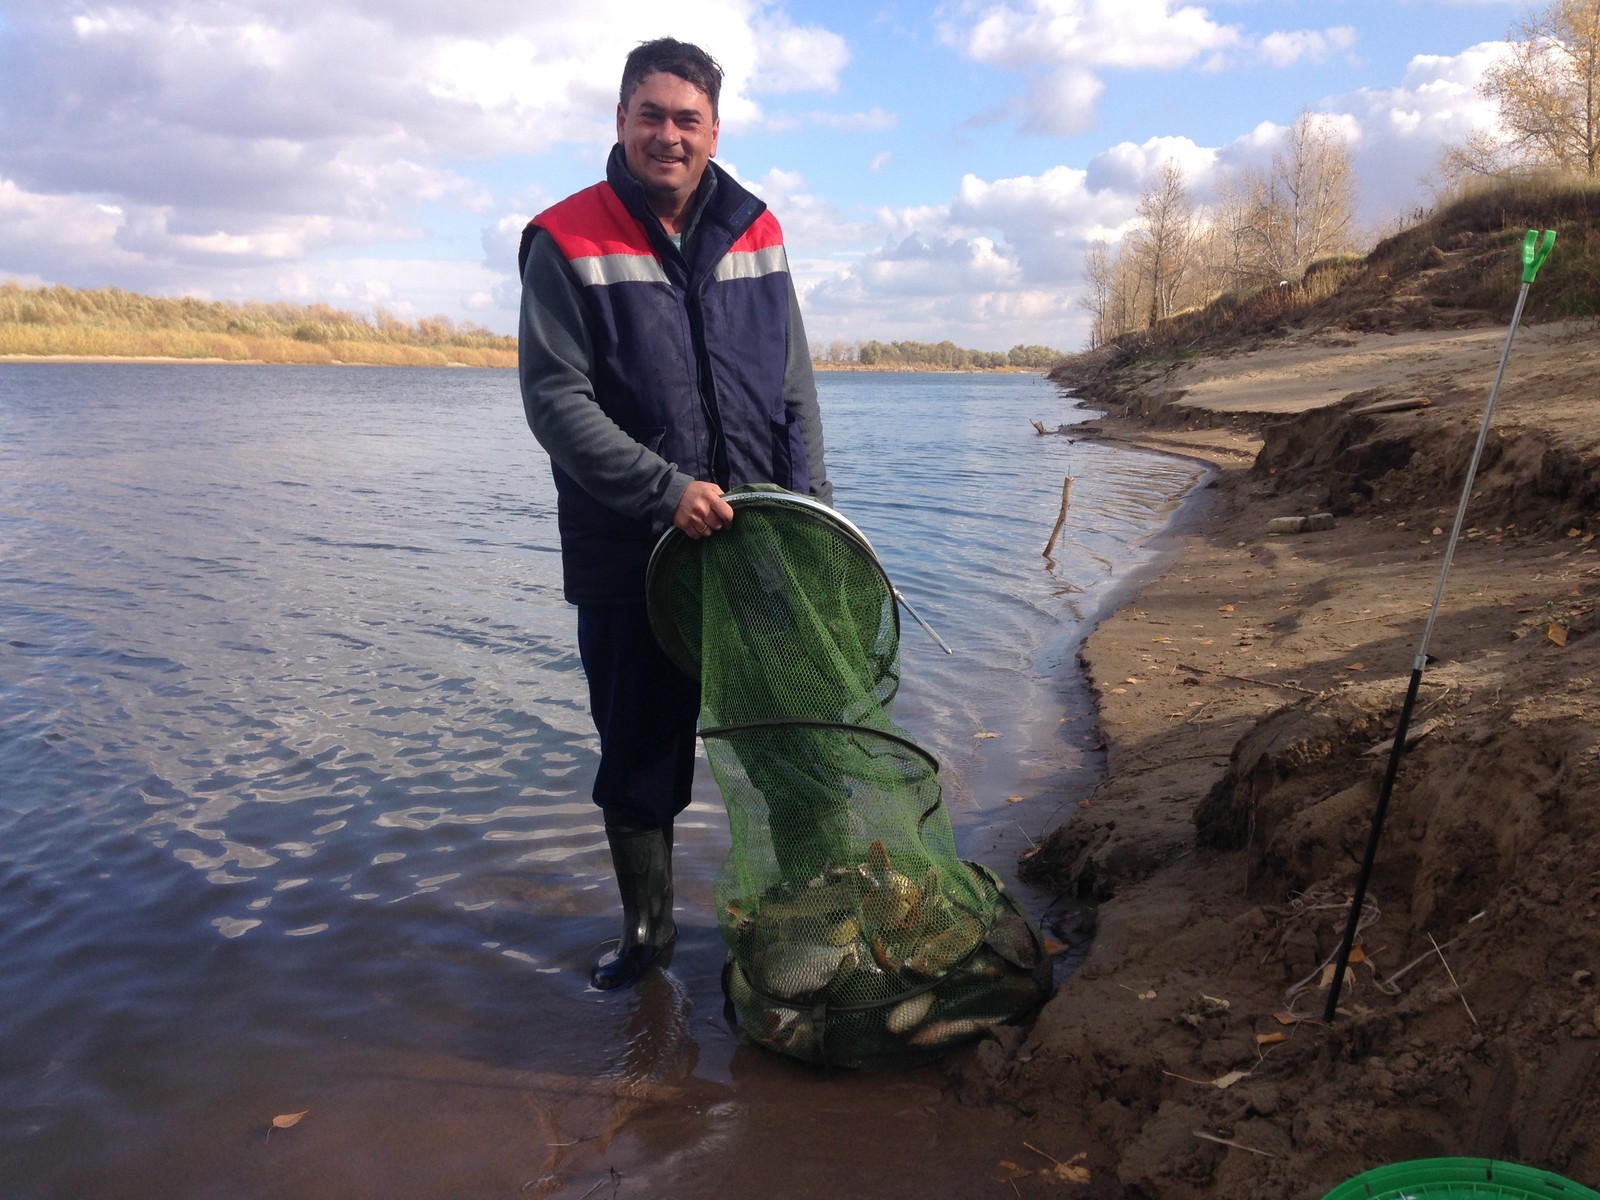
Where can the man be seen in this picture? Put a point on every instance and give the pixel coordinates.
(663, 360)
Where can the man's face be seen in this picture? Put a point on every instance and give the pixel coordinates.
(668, 135)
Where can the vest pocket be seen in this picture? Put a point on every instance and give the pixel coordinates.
(789, 452)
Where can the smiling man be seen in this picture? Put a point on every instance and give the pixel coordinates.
(663, 361)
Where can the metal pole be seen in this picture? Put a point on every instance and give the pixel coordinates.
(1534, 252)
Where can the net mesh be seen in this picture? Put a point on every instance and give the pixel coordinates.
(856, 935)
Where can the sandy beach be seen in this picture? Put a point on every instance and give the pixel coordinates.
(1248, 694)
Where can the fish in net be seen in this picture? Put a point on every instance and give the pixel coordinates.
(856, 934)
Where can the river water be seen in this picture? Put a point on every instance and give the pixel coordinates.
(294, 769)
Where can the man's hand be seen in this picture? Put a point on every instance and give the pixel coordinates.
(702, 510)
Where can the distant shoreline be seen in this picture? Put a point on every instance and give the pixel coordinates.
(226, 362)
(863, 368)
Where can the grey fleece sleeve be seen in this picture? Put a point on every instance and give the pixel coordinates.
(800, 394)
(555, 363)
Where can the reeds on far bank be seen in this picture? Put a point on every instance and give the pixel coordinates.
(59, 322)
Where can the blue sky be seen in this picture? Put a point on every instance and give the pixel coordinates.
(939, 169)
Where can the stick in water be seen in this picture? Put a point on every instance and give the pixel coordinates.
(1066, 499)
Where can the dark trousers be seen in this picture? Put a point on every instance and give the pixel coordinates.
(645, 710)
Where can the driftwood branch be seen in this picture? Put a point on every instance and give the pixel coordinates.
(1061, 518)
(1289, 687)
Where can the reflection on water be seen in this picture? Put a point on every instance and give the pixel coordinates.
(294, 769)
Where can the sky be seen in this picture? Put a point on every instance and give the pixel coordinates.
(938, 169)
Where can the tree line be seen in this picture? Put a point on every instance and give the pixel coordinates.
(933, 356)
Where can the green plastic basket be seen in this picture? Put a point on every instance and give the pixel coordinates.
(1435, 1178)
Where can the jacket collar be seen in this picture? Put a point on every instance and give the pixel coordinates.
(722, 206)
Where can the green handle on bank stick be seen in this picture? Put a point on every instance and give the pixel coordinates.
(1534, 251)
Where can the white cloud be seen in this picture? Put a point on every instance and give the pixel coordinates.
(1286, 49)
(1063, 46)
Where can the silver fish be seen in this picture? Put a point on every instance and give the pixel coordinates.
(908, 1014)
(792, 969)
(940, 1032)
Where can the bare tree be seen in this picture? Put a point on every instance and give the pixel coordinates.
(1097, 274)
(1224, 253)
(1304, 209)
(1116, 297)
(1162, 248)
(1548, 93)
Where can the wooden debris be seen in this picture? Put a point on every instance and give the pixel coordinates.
(1061, 518)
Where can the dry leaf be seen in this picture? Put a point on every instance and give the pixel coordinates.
(1071, 1171)
(1010, 1170)
(984, 733)
(1014, 799)
(1149, 995)
(1231, 1078)
(288, 1120)
(1130, 679)
(1162, 640)
(1225, 608)
(1557, 634)
(1357, 954)
(1356, 667)
(1286, 1018)
(1271, 1039)
(1119, 691)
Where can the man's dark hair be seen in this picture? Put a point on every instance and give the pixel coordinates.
(686, 61)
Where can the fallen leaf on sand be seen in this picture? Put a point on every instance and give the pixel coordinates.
(1557, 634)
(1271, 1039)
(1225, 608)
(1010, 1170)
(1071, 1171)
(1130, 679)
(288, 1120)
(1231, 1078)
(1162, 640)
(1014, 799)
(984, 733)
(1149, 995)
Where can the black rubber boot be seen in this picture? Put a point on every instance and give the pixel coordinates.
(643, 862)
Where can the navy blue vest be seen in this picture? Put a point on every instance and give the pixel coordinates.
(689, 357)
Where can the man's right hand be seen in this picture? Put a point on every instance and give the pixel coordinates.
(702, 510)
